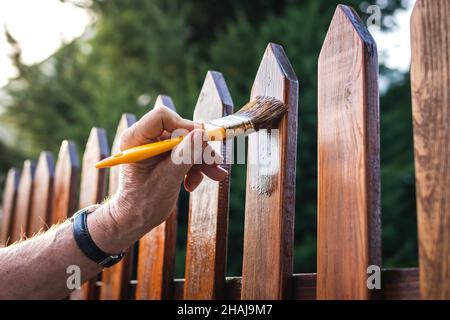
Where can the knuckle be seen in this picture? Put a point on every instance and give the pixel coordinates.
(160, 111)
(126, 138)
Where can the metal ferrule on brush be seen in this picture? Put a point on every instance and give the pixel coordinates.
(233, 122)
(229, 127)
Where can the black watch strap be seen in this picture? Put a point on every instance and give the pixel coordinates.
(87, 245)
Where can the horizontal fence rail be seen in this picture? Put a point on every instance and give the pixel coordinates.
(348, 227)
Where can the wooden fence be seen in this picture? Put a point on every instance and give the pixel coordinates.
(349, 227)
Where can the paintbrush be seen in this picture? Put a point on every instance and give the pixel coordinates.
(260, 113)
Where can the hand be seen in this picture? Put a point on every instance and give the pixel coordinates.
(148, 190)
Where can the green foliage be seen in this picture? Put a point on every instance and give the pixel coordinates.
(138, 49)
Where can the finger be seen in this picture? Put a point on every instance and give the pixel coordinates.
(152, 125)
(192, 179)
(211, 157)
(186, 154)
(214, 172)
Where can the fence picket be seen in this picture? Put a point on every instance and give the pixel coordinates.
(9, 205)
(349, 235)
(92, 191)
(43, 193)
(67, 172)
(116, 280)
(24, 200)
(208, 206)
(430, 81)
(270, 193)
(156, 258)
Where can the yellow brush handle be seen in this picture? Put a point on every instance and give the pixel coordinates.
(139, 153)
(150, 150)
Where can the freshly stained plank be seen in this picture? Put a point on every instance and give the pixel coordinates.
(397, 284)
(430, 81)
(24, 200)
(349, 235)
(43, 193)
(208, 208)
(92, 191)
(270, 198)
(157, 250)
(9, 204)
(115, 280)
(66, 182)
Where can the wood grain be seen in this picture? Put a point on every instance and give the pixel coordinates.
(397, 284)
(156, 260)
(92, 191)
(430, 81)
(24, 201)
(349, 235)
(9, 205)
(66, 182)
(270, 195)
(116, 279)
(206, 248)
(41, 206)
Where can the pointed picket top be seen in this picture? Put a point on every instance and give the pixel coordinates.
(346, 27)
(93, 180)
(348, 160)
(24, 200)
(156, 258)
(65, 182)
(208, 206)
(43, 193)
(115, 280)
(9, 205)
(274, 66)
(166, 101)
(214, 100)
(270, 205)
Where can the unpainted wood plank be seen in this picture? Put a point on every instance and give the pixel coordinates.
(24, 201)
(206, 249)
(349, 227)
(270, 193)
(93, 180)
(156, 260)
(430, 81)
(41, 205)
(9, 205)
(116, 279)
(92, 191)
(65, 183)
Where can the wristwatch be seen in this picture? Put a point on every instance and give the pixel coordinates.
(85, 242)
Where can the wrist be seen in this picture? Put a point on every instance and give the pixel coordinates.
(108, 234)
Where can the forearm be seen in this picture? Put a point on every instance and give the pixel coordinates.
(37, 268)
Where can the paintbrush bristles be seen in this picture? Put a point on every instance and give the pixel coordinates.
(263, 112)
(260, 113)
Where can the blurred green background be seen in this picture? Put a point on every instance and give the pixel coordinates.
(135, 50)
